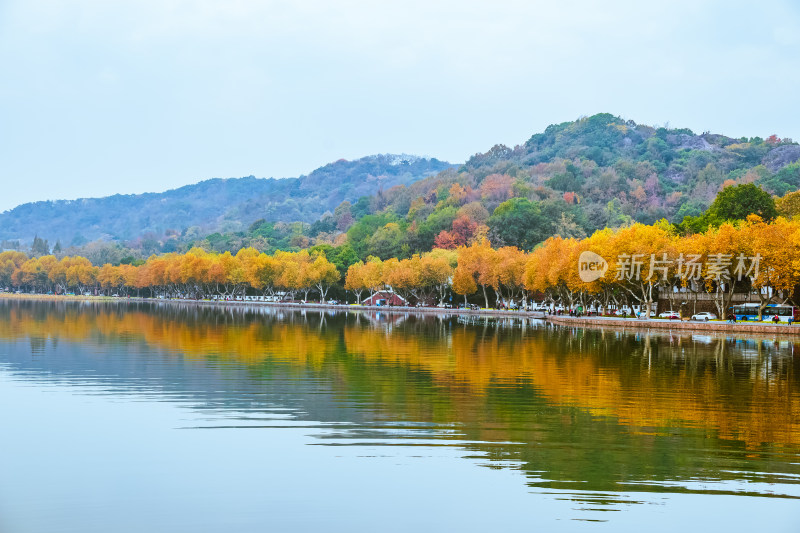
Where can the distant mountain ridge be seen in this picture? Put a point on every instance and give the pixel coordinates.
(215, 204)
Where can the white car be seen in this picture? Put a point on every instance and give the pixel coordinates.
(672, 315)
(704, 316)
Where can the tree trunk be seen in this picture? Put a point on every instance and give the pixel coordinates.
(322, 292)
(763, 301)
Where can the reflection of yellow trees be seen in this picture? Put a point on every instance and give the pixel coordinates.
(761, 410)
(657, 384)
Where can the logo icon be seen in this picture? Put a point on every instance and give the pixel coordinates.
(591, 267)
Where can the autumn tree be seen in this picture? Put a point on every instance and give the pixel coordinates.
(464, 283)
(436, 271)
(109, 277)
(323, 275)
(401, 275)
(461, 234)
(718, 246)
(789, 204)
(508, 279)
(10, 261)
(373, 275)
(354, 280)
(475, 261)
(776, 249)
(262, 272)
(79, 273)
(288, 276)
(639, 259)
(553, 269)
(34, 273)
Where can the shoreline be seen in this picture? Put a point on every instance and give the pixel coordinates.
(281, 305)
(669, 325)
(562, 320)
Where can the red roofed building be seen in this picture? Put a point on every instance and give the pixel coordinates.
(385, 298)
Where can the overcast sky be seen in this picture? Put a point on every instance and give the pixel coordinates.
(100, 97)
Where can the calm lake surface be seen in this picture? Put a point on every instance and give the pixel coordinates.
(121, 417)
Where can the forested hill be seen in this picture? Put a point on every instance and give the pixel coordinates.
(213, 205)
(570, 180)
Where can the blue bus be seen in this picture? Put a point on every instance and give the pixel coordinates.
(750, 312)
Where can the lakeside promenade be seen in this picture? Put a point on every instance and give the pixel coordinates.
(719, 326)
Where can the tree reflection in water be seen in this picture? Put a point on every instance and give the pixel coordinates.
(575, 409)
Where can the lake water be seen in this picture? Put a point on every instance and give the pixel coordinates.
(123, 417)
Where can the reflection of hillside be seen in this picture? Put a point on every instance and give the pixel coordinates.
(555, 400)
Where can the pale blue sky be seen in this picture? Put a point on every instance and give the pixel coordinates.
(99, 97)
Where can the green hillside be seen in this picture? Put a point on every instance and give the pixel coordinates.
(572, 179)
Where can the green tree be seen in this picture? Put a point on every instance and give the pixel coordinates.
(518, 222)
(732, 203)
(615, 216)
(387, 241)
(785, 180)
(360, 233)
(361, 207)
(570, 180)
(40, 246)
(440, 220)
(343, 257)
(738, 201)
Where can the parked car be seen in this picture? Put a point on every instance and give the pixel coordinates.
(704, 316)
(672, 315)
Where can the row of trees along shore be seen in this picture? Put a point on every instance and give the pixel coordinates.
(749, 256)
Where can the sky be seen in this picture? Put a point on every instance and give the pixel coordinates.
(99, 97)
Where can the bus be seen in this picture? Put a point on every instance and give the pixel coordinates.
(750, 312)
